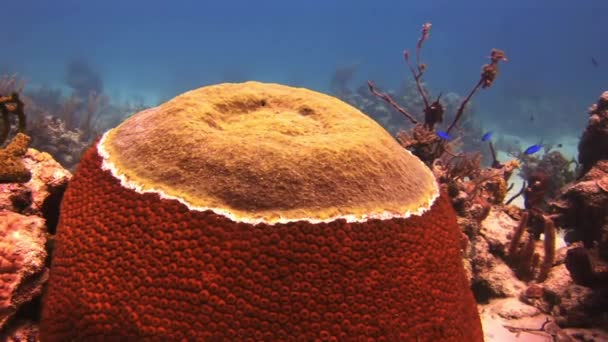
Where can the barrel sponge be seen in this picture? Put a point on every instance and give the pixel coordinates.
(255, 212)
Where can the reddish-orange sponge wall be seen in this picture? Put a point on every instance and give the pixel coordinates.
(134, 265)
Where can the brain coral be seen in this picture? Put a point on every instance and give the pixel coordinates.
(255, 212)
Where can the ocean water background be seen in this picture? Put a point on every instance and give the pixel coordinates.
(150, 51)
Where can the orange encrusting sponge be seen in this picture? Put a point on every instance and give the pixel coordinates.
(134, 264)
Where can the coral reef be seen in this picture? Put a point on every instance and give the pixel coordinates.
(581, 206)
(351, 238)
(298, 228)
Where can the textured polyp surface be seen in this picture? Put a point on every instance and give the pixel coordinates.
(134, 266)
(245, 150)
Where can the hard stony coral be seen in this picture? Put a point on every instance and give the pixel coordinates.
(255, 212)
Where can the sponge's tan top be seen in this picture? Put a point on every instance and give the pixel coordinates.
(268, 153)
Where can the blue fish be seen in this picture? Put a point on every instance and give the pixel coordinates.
(443, 135)
(533, 149)
(486, 136)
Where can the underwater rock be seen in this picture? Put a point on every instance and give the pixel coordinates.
(574, 305)
(498, 229)
(493, 277)
(27, 211)
(557, 283)
(581, 306)
(22, 261)
(256, 211)
(496, 280)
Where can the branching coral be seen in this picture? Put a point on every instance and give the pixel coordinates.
(434, 111)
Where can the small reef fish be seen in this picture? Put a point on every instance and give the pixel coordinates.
(486, 136)
(444, 135)
(533, 149)
(594, 62)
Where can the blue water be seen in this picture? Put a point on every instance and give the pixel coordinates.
(154, 50)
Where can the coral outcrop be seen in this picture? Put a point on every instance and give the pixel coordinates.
(27, 212)
(256, 211)
(581, 206)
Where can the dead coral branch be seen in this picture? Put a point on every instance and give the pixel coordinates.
(434, 111)
(388, 99)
